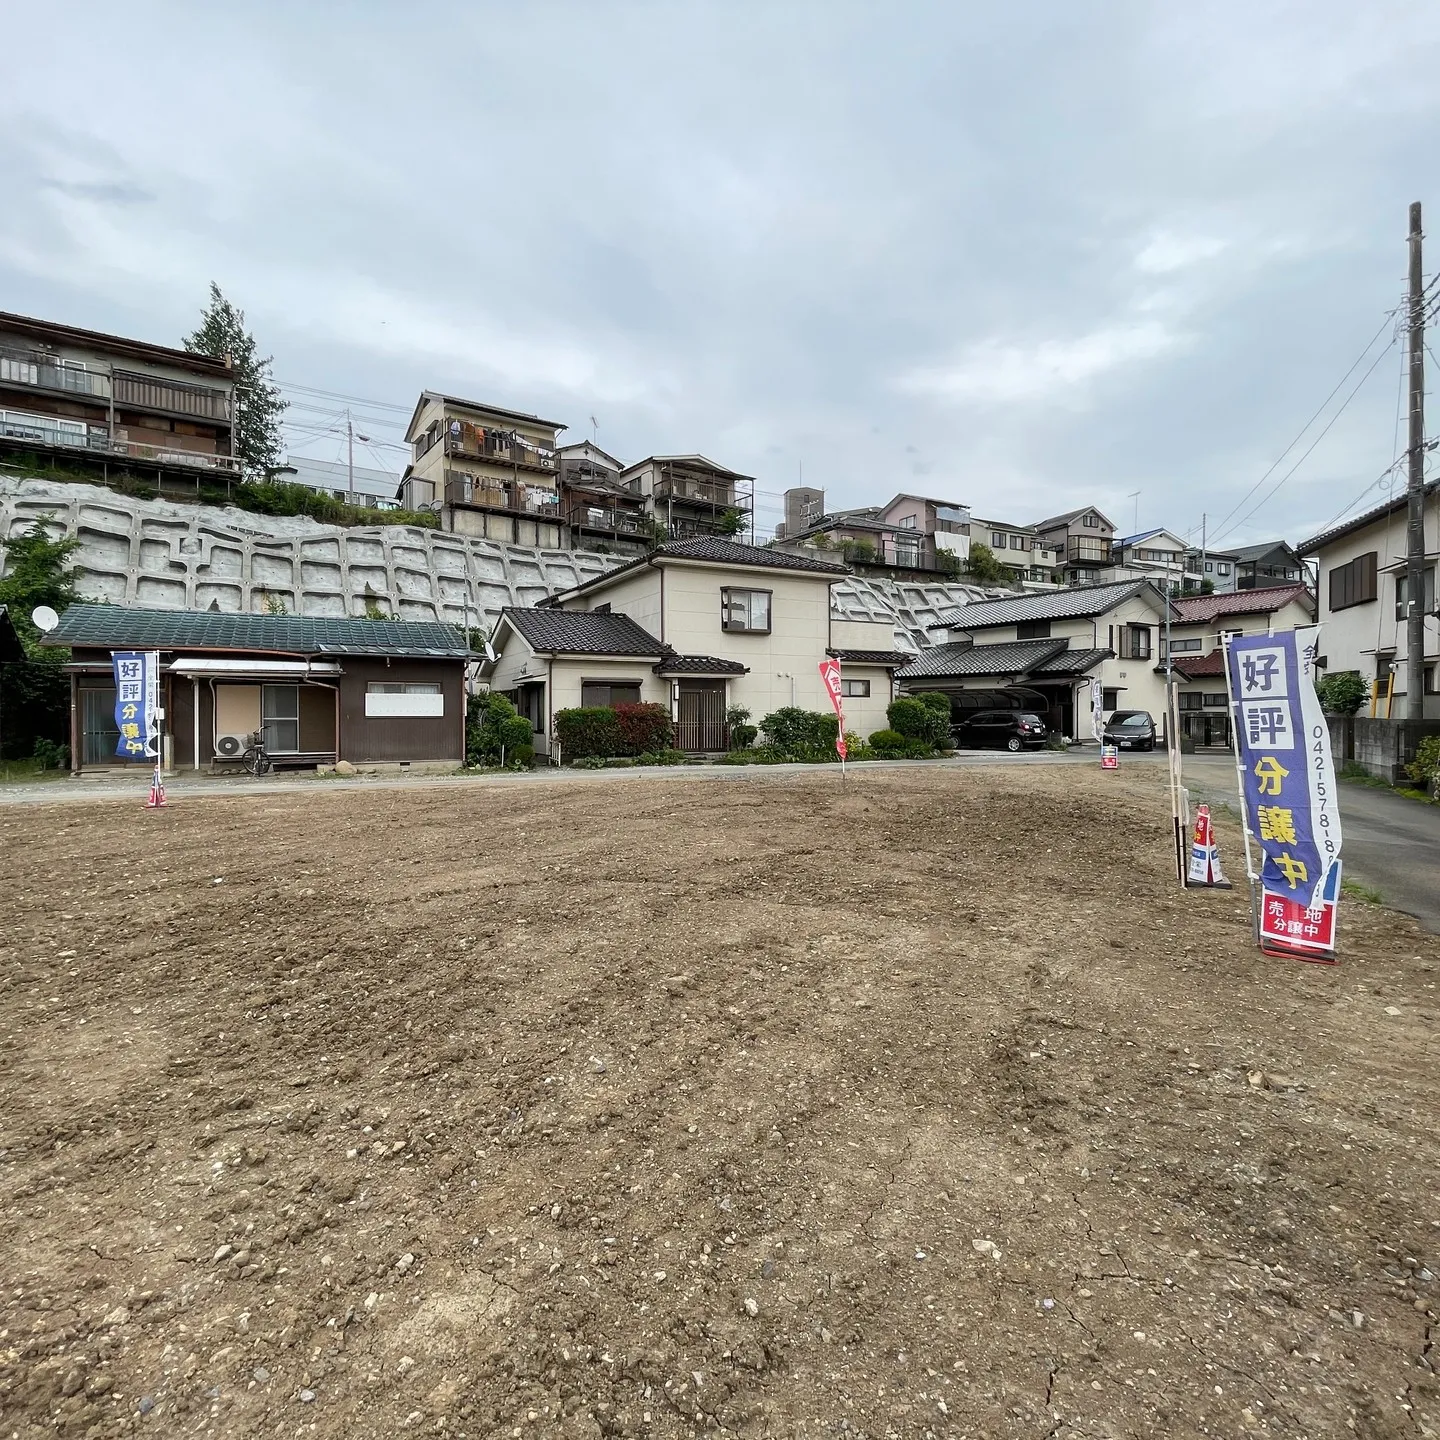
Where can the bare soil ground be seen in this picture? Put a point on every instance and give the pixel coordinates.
(763, 1106)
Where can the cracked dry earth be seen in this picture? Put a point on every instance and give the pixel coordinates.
(921, 1105)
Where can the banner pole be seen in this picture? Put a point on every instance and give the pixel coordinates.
(1250, 873)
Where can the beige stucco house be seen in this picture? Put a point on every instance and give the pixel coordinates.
(698, 626)
(1362, 595)
(1041, 652)
(490, 472)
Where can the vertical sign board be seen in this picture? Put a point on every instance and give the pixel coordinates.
(830, 676)
(1097, 710)
(1288, 789)
(136, 688)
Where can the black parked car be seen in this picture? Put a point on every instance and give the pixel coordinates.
(1000, 729)
(1130, 730)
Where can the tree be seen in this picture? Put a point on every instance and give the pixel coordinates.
(732, 522)
(983, 567)
(35, 692)
(258, 405)
(947, 562)
(1342, 693)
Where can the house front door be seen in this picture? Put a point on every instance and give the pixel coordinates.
(701, 724)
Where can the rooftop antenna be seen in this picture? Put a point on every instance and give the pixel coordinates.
(1135, 496)
(594, 432)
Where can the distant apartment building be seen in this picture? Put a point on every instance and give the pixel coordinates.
(363, 485)
(1030, 560)
(689, 496)
(487, 471)
(116, 406)
(1082, 540)
(804, 507)
(602, 511)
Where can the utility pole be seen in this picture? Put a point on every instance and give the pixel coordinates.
(1415, 523)
(350, 460)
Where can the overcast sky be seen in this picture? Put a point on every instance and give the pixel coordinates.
(1024, 257)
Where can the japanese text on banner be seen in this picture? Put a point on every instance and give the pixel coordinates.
(830, 676)
(1284, 746)
(135, 700)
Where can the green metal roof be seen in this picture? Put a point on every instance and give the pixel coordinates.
(116, 627)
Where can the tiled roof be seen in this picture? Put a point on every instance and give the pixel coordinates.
(1193, 667)
(715, 550)
(581, 632)
(1013, 657)
(1257, 552)
(1072, 662)
(116, 627)
(699, 665)
(1077, 602)
(894, 658)
(1366, 517)
(1241, 602)
(1069, 515)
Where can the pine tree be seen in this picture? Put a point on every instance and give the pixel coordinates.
(258, 404)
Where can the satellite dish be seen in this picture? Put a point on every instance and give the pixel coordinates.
(44, 618)
(490, 653)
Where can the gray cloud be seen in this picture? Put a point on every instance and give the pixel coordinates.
(1063, 253)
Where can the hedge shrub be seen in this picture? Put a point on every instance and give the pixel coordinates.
(644, 729)
(1342, 693)
(801, 734)
(587, 731)
(742, 736)
(887, 742)
(492, 724)
(919, 720)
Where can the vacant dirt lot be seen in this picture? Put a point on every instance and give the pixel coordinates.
(921, 1106)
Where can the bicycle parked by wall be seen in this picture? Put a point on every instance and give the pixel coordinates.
(256, 758)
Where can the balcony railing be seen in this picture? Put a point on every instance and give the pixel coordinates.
(517, 498)
(615, 522)
(498, 448)
(151, 392)
(45, 372)
(95, 439)
(720, 494)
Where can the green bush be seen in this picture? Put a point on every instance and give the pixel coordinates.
(920, 720)
(522, 757)
(671, 757)
(586, 731)
(1424, 768)
(742, 736)
(493, 725)
(644, 727)
(887, 742)
(277, 497)
(800, 733)
(589, 762)
(621, 762)
(1342, 693)
(50, 756)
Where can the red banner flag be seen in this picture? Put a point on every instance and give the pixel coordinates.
(830, 675)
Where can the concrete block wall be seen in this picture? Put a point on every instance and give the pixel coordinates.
(173, 556)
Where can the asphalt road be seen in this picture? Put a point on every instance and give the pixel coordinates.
(1390, 843)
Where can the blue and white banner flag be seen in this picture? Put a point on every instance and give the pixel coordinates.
(137, 677)
(1289, 776)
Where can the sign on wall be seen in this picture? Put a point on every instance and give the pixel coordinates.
(1288, 788)
(137, 676)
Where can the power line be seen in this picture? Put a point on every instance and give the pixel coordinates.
(349, 399)
(1279, 459)
(1275, 489)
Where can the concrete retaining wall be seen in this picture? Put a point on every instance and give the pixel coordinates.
(1383, 747)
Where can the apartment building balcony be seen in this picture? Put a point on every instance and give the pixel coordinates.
(23, 430)
(698, 492)
(129, 389)
(515, 497)
(491, 447)
(615, 522)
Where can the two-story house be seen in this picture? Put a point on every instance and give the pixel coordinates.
(104, 403)
(941, 528)
(1159, 555)
(1216, 566)
(1031, 561)
(1198, 629)
(1272, 562)
(489, 472)
(1364, 597)
(1040, 653)
(697, 626)
(1082, 541)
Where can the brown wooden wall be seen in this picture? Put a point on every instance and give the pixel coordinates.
(366, 739)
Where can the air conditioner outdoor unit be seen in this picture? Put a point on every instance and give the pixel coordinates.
(231, 747)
